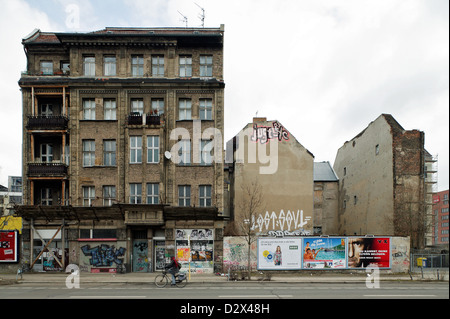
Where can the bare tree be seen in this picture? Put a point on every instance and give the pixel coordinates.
(251, 202)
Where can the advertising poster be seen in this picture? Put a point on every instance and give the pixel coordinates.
(199, 245)
(279, 253)
(365, 252)
(323, 253)
(8, 246)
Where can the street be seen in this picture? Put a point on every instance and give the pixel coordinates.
(230, 290)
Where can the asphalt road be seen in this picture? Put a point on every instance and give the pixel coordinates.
(231, 291)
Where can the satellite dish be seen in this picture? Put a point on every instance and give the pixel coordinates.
(168, 155)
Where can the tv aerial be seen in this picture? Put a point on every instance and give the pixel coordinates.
(201, 16)
(185, 19)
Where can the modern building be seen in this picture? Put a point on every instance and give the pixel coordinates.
(271, 182)
(120, 128)
(10, 196)
(441, 219)
(385, 187)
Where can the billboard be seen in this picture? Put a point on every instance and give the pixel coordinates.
(323, 253)
(8, 246)
(279, 253)
(365, 252)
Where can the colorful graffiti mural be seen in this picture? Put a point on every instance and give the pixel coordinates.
(103, 255)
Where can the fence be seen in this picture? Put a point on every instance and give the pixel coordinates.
(429, 261)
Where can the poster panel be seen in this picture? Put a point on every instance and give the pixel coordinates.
(8, 246)
(323, 253)
(279, 253)
(365, 252)
(197, 244)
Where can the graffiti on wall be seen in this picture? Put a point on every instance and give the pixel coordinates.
(104, 255)
(235, 254)
(264, 134)
(141, 262)
(290, 221)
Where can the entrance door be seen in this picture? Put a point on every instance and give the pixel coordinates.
(140, 255)
(160, 254)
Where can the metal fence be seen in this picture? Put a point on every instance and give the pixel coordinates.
(429, 261)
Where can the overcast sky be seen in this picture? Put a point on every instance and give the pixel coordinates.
(324, 68)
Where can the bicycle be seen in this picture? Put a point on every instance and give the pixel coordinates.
(164, 278)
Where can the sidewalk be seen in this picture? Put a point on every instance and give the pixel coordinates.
(148, 278)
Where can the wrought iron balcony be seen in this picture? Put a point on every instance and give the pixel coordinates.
(47, 169)
(47, 122)
(136, 118)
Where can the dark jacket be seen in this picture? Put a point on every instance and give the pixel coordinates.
(172, 267)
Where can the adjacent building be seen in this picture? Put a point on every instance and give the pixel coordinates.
(271, 178)
(385, 187)
(119, 133)
(441, 219)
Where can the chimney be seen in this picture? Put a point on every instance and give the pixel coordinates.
(259, 119)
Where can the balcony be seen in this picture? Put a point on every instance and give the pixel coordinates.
(53, 169)
(57, 122)
(136, 118)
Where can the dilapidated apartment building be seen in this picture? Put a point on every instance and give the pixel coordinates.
(118, 155)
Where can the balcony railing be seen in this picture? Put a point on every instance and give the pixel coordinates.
(47, 122)
(136, 118)
(47, 169)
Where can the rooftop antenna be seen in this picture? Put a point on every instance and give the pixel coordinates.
(185, 19)
(202, 15)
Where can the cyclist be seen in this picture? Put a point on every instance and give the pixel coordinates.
(173, 269)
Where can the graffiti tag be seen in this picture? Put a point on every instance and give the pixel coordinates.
(264, 134)
(104, 255)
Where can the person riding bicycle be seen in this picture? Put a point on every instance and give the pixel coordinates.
(173, 268)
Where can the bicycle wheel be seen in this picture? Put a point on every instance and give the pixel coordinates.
(161, 280)
(181, 283)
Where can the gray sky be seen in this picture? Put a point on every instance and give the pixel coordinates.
(324, 68)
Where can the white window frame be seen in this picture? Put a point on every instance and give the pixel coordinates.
(185, 66)
(137, 65)
(88, 153)
(137, 106)
(109, 195)
(135, 149)
(46, 110)
(206, 147)
(204, 197)
(206, 65)
(47, 67)
(89, 109)
(89, 66)
(184, 195)
(152, 193)
(46, 152)
(109, 152)
(153, 149)
(158, 104)
(205, 109)
(185, 109)
(158, 65)
(88, 195)
(110, 109)
(109, 65)
(135, 193)
(184, 153)
(46, 197)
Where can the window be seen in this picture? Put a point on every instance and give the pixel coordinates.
(135, 193)
(152, 193)
(444, 210)
(152, 149)
(88, 153)
(205, 152)
(46, 197)
(185, 109)
(205, 195)
(137, 106)
(45, 110)
(184, 195)
(109, 152)
(205, 109)
(206, 65)
(89, 66)
(89, 109)
(110, 109)
(98, 233)
(158, 65)
(158, 104)
(46, 153)
(135, 149)
(185, 66)
(109, 65)
(184, 152)
(47, 67)
(88, 195)
(377, 149)
(137, 66)
(65, 67)
(109, 195)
